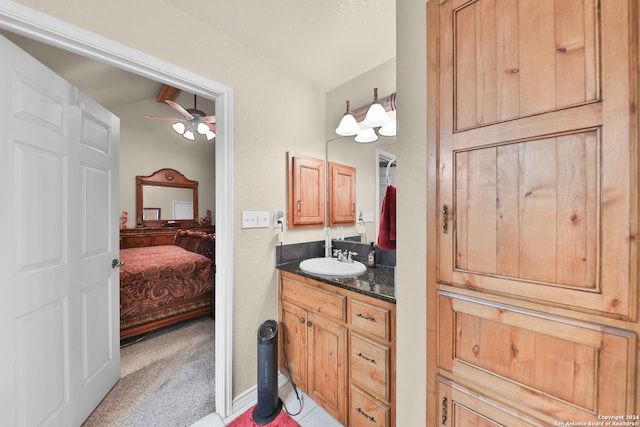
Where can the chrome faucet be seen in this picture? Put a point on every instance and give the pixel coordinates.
(344, 256)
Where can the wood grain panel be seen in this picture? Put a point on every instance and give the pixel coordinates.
(528, 210)
(551, 360)
(508, 63)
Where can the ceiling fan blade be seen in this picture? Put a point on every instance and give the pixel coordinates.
(179, 108)
(173, 119)
(208, 119)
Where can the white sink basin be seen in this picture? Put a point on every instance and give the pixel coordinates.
(332, 267)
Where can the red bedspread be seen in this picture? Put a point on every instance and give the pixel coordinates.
(157, 282)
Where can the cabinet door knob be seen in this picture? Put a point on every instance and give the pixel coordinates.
(301, 320)
(309, 323)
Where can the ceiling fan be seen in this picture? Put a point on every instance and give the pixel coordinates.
(194, 121)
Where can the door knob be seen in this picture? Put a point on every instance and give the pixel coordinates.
(116, 263)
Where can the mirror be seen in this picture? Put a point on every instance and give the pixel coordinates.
(370, 161)
(166, 198)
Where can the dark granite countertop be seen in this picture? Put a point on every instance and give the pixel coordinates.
(377, 282)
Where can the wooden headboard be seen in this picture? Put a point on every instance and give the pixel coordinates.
(196, 241)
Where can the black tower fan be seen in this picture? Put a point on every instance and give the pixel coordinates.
(269, 404)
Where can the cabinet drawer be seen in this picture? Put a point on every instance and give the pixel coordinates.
(316, 300)
(137, 242)
(370, 366)
(367, 412)
(369, 319)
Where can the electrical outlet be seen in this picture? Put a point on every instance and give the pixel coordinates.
(278, 217)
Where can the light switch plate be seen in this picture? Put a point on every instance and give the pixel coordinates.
(255, 219)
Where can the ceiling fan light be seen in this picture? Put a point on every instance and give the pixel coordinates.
(210, 135)
(178, 127)
(388, 129)
(366, 136)
(189, 135)
(202, 128)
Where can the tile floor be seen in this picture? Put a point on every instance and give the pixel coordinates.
(312, 415)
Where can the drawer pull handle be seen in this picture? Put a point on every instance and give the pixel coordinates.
(362, 356)
(362, 316)
(367, 416)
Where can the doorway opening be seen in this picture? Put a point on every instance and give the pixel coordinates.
(34, 25)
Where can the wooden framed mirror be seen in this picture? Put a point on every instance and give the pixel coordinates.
(168, 193)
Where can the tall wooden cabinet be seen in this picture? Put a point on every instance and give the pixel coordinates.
(533, 189)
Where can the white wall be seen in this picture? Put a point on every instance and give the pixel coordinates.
(412, 233)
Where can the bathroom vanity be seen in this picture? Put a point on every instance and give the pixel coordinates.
(339, 341)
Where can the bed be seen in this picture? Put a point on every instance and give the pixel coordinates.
(163, 285)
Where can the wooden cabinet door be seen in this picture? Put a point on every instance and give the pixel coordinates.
(535, 153)
(327, 351)
(342, 194)
(306, 191)
(536, 194)
(293, 357)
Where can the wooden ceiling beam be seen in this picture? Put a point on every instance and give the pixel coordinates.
(167, 92)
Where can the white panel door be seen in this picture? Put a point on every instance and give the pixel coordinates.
(58, 305)
(98, 281)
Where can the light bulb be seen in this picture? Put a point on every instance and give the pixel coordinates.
(202, 128)
(178, 127)
(366, 136)
(376, 115)
(388, 129)
(348, 124)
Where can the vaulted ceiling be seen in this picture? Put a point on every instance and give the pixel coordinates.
(325, 43)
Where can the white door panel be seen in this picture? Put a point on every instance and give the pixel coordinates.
(59, 306)
(98, 283)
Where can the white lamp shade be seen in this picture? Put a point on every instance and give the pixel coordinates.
(210, 135)
(189, 135)
(376, 116)
(366, 136)
(388, 129)
(202, 128)
(348, 125)
(178, 127)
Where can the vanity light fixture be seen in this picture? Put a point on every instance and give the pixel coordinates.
(371, 121)
(376, 115)
(348, 124)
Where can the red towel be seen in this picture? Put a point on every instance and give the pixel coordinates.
(387, 234)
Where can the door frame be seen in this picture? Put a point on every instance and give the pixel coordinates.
(38, 26)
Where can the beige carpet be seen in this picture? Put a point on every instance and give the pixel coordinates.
(167, 379)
